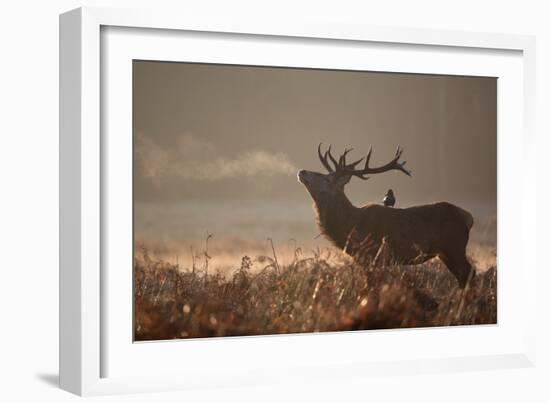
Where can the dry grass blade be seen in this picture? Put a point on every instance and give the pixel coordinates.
(312, 294)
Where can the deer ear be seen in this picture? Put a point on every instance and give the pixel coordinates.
(342, 180)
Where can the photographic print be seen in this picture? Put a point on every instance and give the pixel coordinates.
(271, 200)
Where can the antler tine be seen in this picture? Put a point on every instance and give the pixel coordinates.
(402, 168)
(354, 164)
(394, 164)
(342, 160)
(331, 157)
(369, 153)
(324, 159)
(401, 165)
(368, 157)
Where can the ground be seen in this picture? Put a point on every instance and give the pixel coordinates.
(316, 292)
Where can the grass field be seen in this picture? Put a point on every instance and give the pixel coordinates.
(318, 291)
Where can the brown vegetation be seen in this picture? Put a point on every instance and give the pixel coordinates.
(319, 293)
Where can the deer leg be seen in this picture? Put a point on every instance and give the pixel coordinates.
(460, 267)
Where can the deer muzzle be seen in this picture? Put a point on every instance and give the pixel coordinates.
(302, 176)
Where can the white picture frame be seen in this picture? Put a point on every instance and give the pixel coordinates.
(96, 354)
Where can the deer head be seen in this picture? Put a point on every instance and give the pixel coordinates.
(326, 187)
(336, 215)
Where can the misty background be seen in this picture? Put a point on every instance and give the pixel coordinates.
(217, 148)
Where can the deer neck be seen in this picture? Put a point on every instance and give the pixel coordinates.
(336, 217)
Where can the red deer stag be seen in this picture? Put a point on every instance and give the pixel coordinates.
(409, 236)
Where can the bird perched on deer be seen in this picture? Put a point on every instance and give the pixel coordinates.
(389, 199)
(406, 236)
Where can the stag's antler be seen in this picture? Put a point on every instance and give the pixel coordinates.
(342, 167)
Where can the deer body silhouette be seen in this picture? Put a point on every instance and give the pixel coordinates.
(377, 235)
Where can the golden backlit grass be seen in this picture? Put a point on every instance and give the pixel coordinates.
(318, 293)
